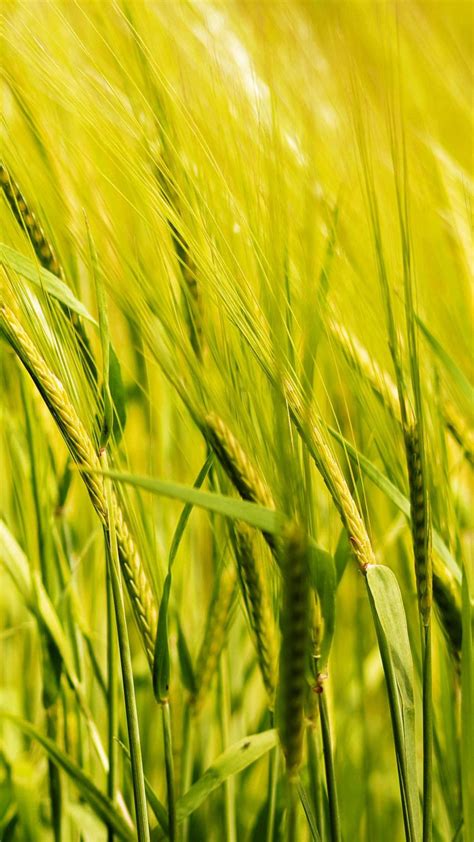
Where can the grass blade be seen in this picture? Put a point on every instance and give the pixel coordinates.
(100, 803)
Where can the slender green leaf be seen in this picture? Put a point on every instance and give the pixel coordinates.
(184, 517)
(308, 812)
(35, 597)
(258, 516)
(185, 662)
(102, 806)
(230, 762)
(161, 661)
(33, 272)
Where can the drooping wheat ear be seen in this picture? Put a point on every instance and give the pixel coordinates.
(82, 452)
(309, 430)
(187, 265)
(44, 251)
(192, 296)
(214, 634)
(235, 462)
(257, 600)
(295, 624)
(383, 386)
(448, 607)
(27, 219)
(237, 465)
(361, 361)
(420, 523)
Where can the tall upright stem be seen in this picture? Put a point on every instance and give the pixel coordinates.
(427, 735)
(138, 779)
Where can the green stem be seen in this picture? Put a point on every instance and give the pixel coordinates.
(168, 744)
(229, 791)
(292, 812)
(111, 699)
(138, 780)
(55, 791)
(427, 736)
(187, 763)
(334, 819)
(314, 777)
(272, 792)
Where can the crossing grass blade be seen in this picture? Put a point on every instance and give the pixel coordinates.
(99, 802)
(37, 275)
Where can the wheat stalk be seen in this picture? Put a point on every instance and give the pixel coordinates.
(85, 457)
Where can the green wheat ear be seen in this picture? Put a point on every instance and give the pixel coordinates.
(421, 529)
(87, 460)
(258, 604)
(214, 635)
(46, 255)
(295, 624)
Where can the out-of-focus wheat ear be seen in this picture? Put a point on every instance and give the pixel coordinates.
(420, 523)
(310, 432)
(383, 386)
(361, 361)
(192, 296)
(459, 431)
(214, 635)
(292, 684)
(447, 602)
(83, 453)
(237, 465)
(257, 600)
(45, 253)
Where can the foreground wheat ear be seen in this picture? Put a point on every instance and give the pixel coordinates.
(82, 452)
(294, 646)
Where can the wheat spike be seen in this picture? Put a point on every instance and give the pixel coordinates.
(449, 610)
(295, 645)
(420, 523)
(383, 386)
(45, 253)
(258, 604)
(214, 634)
(235, 462)
(84, 455)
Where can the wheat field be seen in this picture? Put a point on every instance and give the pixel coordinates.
(236, 440)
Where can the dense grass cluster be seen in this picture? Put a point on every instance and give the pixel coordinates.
(236, 423)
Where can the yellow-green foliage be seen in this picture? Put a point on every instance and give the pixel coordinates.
(275, 201)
